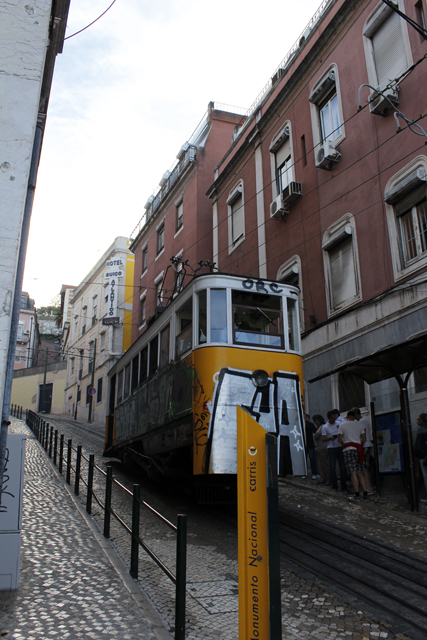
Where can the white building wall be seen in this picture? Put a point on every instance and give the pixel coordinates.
(24, 36)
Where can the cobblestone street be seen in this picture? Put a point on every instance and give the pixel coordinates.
(56, 597)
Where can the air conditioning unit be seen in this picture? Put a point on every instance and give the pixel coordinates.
(26, 332)
(292, 192)
(378, 102)
(279, 208)
(325, 155)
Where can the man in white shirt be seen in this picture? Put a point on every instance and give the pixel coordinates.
(330, 435)
(352, 436)
(368, 447)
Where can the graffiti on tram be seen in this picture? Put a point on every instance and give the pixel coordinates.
(163, 398)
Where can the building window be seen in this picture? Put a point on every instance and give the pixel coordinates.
(341, 265)
(94, 309)
(290, 273)
(179, 214)
(406, 206)
(84, 320)
(326, 109)
(386, 43)
(144, 259)
(351, 392)
(91, 354)
(76, 325)
(420, 380)
(102, 342)
(20, 331)
(421, 16)
(281, 160)
(236, 217)
(160, 237)
(18, 355)
(142, 310)
(99, 391)
(158, 282)
(72, 366)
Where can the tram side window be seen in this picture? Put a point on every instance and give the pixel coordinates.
(154, 348)
(127, 381)
(257, 319)
(164, 347)
(218, 315)
(120, 387)
(143, 365)
(202, 310)
(184, 324)
(135, 373)
(293, 332)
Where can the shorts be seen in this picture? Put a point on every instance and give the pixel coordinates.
(352, 461)
(368, 457)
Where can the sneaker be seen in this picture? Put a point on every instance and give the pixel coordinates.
(316, 477)
(354, 498)
(371, 492)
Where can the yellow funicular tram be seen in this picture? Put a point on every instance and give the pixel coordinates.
(223, 341)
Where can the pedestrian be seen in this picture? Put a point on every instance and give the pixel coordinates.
(322, 450)
(420, 447)
(330, 434)
(352, 436)
(368, 448)
(310, 430)
(338, 417)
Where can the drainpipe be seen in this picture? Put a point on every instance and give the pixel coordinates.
(14, 321)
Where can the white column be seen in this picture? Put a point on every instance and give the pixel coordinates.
(259, 185)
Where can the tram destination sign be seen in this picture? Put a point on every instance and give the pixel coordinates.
(109, 321)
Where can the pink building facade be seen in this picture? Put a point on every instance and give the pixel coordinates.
(319, 191)
(178, 219)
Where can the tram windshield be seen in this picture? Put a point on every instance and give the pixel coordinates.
(257, 319)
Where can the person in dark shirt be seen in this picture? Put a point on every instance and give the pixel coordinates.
(310, 430)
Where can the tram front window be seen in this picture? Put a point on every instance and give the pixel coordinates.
(184, 324)
(218, 315)
(293, 329)
(257, 319)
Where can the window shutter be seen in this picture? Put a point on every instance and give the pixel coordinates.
(411, 200)
(283, 152)
(389, 49)
(343, 281)
(237, 218)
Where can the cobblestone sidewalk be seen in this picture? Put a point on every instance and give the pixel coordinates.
(70, 587)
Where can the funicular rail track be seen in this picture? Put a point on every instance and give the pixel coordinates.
(388, 579)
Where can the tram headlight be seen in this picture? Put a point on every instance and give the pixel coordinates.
(260, 378)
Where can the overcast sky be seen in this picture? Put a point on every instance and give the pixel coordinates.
(126, 94)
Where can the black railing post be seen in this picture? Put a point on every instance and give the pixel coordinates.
(181, 577)
(61, 452)
(90, 483)
(46, 441)
(78, 467)
(69, 454)
(42, 429)
(134, 551)
(50, 442)
(21, 414)
(55, 446)
(108, 493)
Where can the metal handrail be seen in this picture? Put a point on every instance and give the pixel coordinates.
(44, 434)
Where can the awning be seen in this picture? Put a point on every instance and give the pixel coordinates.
(388, 362)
